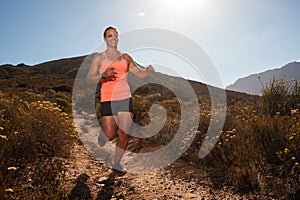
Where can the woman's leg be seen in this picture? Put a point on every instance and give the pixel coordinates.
(109, 127)
(124, 123)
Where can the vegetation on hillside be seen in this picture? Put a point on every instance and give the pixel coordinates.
(35, 137)
(258, 149)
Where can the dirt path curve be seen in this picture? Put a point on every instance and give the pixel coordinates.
(87, 178)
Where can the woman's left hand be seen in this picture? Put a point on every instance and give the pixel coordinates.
(150, 69)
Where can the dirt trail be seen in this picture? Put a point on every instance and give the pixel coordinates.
(87, 178)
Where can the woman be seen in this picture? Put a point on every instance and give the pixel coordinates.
(111, 67)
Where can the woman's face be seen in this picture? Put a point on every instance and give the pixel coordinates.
(111, 38)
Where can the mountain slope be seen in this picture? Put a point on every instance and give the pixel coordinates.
(254, 83)
(63, 71)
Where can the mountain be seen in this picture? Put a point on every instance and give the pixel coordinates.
(254, 83)
(65, 66)
(61, 73)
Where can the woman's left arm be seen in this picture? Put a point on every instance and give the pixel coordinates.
(136, 70)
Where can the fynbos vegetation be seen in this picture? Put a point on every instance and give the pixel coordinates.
(35, 136)
(258, 149)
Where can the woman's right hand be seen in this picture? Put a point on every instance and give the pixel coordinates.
(110, 74)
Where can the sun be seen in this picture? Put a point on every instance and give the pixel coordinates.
(188, 12)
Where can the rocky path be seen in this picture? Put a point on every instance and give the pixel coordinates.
(87, 178)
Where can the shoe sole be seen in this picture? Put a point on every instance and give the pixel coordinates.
(120, 173)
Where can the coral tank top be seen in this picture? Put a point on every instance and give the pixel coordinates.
(117, 89)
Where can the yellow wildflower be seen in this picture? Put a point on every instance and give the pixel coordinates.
(12, 168)
(9, 190)
(3, 137)
(286, 150)
(293, 158)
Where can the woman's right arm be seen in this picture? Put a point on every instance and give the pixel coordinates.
(93, 75)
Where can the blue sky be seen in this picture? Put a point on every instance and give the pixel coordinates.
(241, 37)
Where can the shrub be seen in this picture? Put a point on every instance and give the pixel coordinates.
(256, 151)
(281, 96)
(33, 136)
(62, 99)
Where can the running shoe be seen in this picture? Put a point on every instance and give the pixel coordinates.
(118, 168)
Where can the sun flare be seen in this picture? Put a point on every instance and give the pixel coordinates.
(190, 12)
(185, 5)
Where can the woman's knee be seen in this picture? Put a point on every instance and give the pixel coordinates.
(110, 134)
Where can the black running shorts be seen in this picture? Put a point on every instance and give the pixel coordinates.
(109, 108)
